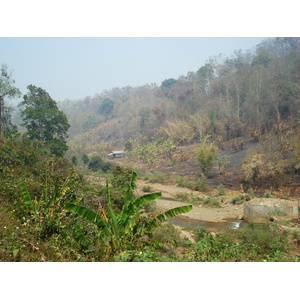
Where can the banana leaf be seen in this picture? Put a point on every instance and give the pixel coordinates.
(133, 208)
(54, 196)
(112, 217)
(81, 238)
(130, 223)
(86, 213)
(168, 214)
(128, 197)
(26, 197)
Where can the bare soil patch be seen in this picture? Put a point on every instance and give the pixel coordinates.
(187, 166)
(169, 193)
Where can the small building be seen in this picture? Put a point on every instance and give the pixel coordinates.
(116, 154)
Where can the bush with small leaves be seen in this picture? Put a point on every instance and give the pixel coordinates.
(97, 163)
(146, 188)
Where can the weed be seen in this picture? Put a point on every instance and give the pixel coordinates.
(211, 202)
(200, 232)
(221, 190)
(247, 197)
(267, 194)
(182, 196)
(198, 185)
(237, 200)
(157, 176)
(296, 236)
(251, 194)
(252, 242)
(166, 233)
(147, 188)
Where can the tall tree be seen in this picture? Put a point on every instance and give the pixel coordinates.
(44, 121)
(106, 108)
(7, 90)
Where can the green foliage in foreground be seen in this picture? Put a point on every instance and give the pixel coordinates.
(50, 204)
(36, 225)
(252, 242)
(117, 230)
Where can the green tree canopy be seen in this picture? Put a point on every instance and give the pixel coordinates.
(263, 57)
(85, 159)
(168, 82)
(106, 107)
(44, 121)
(7, 90)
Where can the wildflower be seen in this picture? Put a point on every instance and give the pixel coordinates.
(17, 227)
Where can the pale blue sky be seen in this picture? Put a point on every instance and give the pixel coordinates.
(73, 68)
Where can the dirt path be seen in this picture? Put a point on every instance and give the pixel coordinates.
(204, 213)
(170, 192)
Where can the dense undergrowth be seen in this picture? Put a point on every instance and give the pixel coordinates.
(37, 226)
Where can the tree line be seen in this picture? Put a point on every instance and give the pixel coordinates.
(229, 97)
(44, 122)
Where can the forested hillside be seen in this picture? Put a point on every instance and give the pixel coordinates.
(230, 101)
(228, 97)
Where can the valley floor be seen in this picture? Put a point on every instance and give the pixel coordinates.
(170, 192)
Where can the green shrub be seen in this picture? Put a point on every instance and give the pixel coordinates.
(85, 159)
(157, 176)
(267, 237)
(296, 236)
(180, 181)
(206, 155)
(252, 242)
(211, 202)
(147, 188)
(196, 200)
(200, 232)
(237, 200)
(221, 190)
(150, 207)
(166, 233)
(120, 182)
(247, 197)
(74, 160)
(97, 163)
(182, 196)
(198, 185)
(267, 194)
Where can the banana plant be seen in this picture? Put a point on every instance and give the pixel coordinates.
(46, 206)
(116, 229)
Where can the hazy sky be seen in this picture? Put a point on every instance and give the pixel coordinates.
(73, 68)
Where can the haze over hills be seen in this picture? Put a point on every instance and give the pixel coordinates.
(227, 98)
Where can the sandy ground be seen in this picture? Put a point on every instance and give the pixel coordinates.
(203, 213)
(169, 193)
